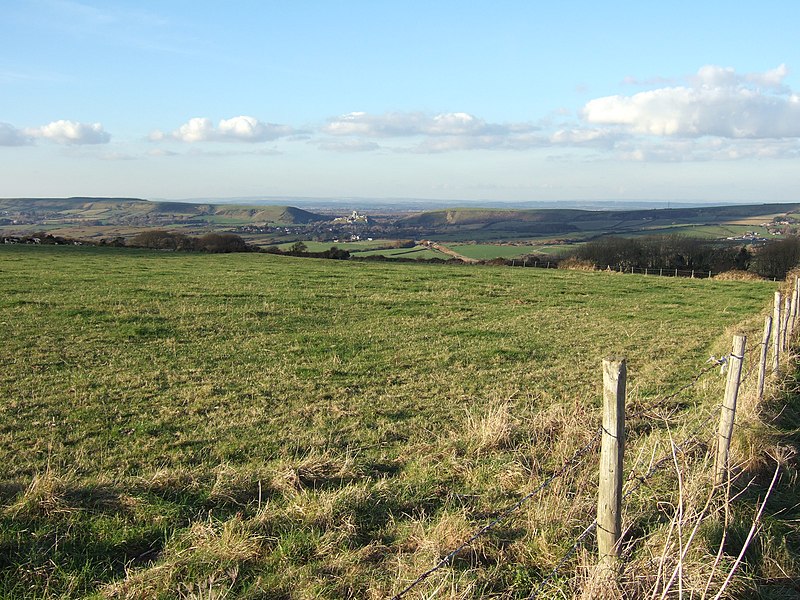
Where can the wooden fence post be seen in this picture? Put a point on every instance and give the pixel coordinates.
(729, 406)
(792, 312)
(609, 496)
(787, 307)
(796, 300)
(762, 365)
(776, 335)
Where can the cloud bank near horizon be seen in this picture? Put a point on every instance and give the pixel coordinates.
(714, 114)
(61, 132)
(236, 129)
(718, 102)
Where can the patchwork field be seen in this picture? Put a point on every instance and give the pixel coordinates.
(259, 426)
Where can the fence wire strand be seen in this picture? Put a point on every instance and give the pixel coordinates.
(639, 480)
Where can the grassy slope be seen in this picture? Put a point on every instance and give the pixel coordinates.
(485, 224)
(112, 211)
(296, 428)
(489, 251)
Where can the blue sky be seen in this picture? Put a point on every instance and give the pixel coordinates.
(446, 100)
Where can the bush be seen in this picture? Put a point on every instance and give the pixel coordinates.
(158, 239)
(775, 259)
(662, 252)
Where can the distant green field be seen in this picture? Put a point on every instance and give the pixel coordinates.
(179, 425)
(422, 252)
(358, 246)
(709, 232)
(489, 251)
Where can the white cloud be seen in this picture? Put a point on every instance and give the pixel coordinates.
(11, 136)
(348, 146)
(444, 132)
(235, 129)
(408, 124)
(71, 133)
(718, 102)
(706, 149)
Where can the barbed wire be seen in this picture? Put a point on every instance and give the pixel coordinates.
(640, 480)
(660, 403)
(578, 455)
(676, 448)
(573, 549)
(574, 459)
(753, 363)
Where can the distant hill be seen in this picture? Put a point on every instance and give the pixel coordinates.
(126, 211)
(566, 221)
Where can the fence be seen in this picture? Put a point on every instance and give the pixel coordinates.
(656, 271)
(610, 436)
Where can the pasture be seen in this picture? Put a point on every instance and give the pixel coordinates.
(259, 426)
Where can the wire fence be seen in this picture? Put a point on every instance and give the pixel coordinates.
(693, 439)
(686, 273)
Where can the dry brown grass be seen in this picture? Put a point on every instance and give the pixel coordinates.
(204, 562)
(45, 496)
(738, 275)
(576, 264)
(314, 470)
(493, 430)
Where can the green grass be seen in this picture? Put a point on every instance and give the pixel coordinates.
(281, 427)
(489, 251)
(358, 246)
(422, 252)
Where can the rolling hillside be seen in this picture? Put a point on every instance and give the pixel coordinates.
(573, 221)
(126, 211)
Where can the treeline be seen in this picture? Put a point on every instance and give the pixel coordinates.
(210, 242)
(772, 260)
(300, 249)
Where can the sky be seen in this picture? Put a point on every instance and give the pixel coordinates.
(503, 100)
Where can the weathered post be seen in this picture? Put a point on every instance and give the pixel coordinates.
(787, 307)
(796, 303)
(792, 313)
(609, 496)
(776, 335)
(762, 365)
(729, 406)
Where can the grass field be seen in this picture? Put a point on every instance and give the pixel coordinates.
(358, 246)
(489, 251)
(421, 252)
(258, 426)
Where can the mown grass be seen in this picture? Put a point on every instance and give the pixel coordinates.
(248, 426)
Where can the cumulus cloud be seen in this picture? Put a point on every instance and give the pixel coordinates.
(407, 124)
(348, 146)
(60, 132)
(71, 133)
(716, 102)
(236, 129)
(11, 136)
(443, 132)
